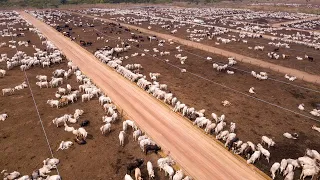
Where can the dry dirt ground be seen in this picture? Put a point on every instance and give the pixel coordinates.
(253, 118)
(22, 140)
(241, 48)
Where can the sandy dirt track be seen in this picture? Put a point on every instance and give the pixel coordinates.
(295, 21)
(197, 154)
(299, 74)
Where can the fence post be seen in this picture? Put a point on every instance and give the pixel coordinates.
(121, 114)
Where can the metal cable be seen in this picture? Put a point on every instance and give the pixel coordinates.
(36, 106)
(276, 80)
(224, 86)
(231, 67)
(232, 30)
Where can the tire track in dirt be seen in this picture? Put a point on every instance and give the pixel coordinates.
(197, 154)
(257, 62)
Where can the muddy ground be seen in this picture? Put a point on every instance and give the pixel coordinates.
(23, 144)
(253, 118)
(241, 48)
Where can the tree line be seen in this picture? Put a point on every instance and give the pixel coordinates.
(57, 3)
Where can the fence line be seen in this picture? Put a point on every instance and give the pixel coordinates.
(224, 86)
(37, 110)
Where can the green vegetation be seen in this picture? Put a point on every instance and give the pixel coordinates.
(186, 3)
(31, 3)
(56, 3)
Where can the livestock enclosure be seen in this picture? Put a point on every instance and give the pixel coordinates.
(222, 25)
(254, 110)
(259, 117)
(23, 142)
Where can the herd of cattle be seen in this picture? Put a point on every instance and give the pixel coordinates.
(69, 95)
(10, 20)
(112, 56)
(48, 166)
(226, 26)
(286, 4)
(305, 24)
(309, 163)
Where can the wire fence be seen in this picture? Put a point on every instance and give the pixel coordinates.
(238, 31)
(123, 113)
(242, 70)
(211, 81)
(37, 110)
(241, 59)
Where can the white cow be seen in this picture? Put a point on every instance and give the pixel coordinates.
(86, 97)
(254, 157)
(121, 138)
(150, 170)
(105, 128)
(64, 145)
(274, 168)
(3, 117)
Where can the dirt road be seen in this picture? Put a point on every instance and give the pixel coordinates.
(197, 154)
(294, 72)
(270, 37)
(295, 21)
